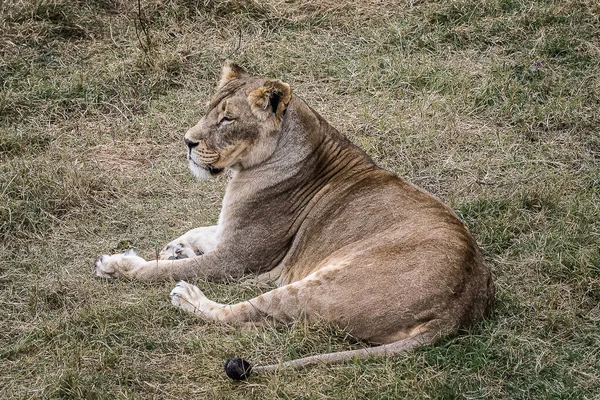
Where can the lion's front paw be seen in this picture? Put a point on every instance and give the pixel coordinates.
(117, 265)
(188, 297)
(177, 250)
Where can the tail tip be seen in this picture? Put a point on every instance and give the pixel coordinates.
(237, 368)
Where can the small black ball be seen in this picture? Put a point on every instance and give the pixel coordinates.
(238, 368)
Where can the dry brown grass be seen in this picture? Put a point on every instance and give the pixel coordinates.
(493, 106)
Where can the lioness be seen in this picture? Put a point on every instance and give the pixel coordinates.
(347, 242)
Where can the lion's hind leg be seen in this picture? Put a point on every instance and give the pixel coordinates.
(299, 300)
(306, 299)
(284, 305)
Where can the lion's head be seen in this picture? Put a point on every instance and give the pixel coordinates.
(241, 126)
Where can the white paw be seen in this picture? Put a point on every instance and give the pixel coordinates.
(177, 250)
(193, 243)
(187, 297)
(117, 265)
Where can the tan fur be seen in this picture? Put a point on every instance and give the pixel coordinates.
(230, 71)
(259, 99)
(347, 242)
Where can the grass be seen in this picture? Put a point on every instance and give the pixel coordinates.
(491, 105)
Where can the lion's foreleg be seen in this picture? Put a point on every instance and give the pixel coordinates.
(217, 266)
(193, 243)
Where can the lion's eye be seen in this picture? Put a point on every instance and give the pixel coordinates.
(226, 120)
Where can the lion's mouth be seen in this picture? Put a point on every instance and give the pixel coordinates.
(212, 170)
(208, 167)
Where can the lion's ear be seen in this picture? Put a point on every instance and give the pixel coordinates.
(231, 71)
(272, 98)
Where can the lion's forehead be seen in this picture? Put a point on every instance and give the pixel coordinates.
(222, 94)
(233, 88)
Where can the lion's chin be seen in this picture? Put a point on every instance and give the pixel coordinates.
(204, 172)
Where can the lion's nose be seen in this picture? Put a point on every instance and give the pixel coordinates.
(190, 143)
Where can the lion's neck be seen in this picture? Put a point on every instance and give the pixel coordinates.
(309, 151)
(312, 147)
(311, 160)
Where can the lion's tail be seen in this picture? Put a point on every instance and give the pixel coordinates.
(240, 369)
